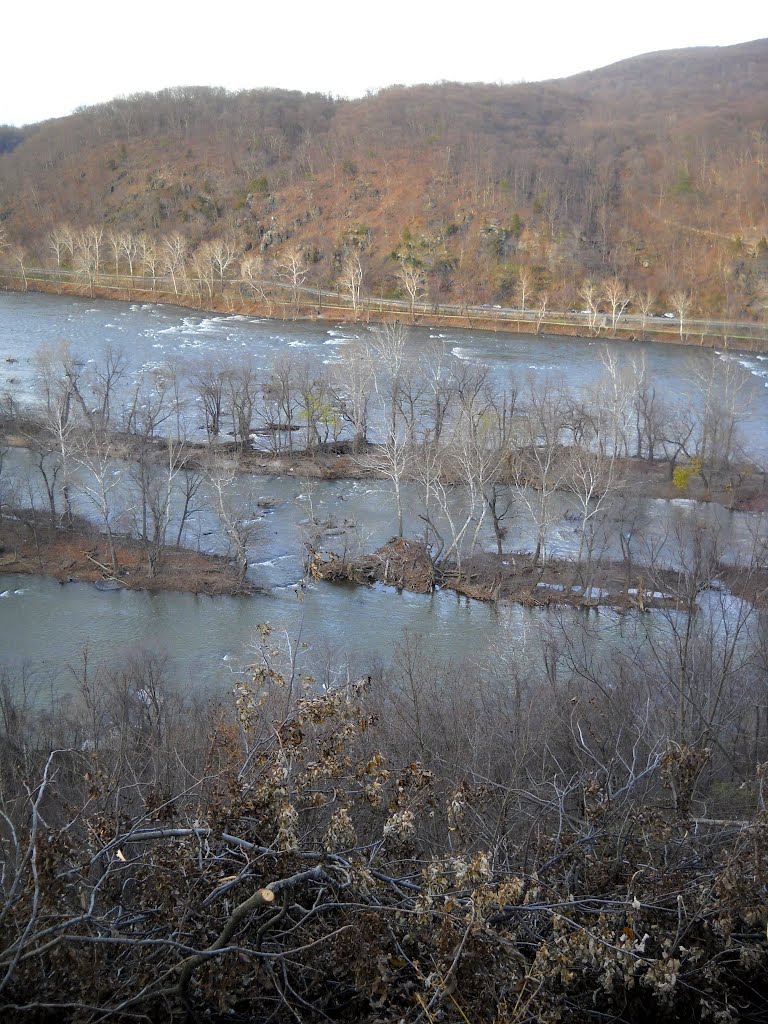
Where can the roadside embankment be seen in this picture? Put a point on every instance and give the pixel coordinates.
(701, 334)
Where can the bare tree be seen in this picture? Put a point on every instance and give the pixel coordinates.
(536, 463)
(614, 403)
(99, 481)
(208, 386)
(19, 257)
(190, 486)
(724, 402)
(49, 447)
(61, 240)
(591, 478)
(149, 255)
(61, 376)
(589, 292)
(115, 240)
(130, 250)
(173, 258)
(252, 273)
(242, 386)
(618, 298)
(56, 441)
(649, 416)
(411, 279)
(87, 257)
(436, 370)
(524, 285)
(394, 457)
(320, 415)
(280, 401)
(232, 508)
(703, 651)
(645, 302)
(107, 375)
(222, 253)
(203, 265)
(541, 311)
(152, 403)
(679, 426)
(291, 268)
(473, 458)
(157, 489)
(352, 381)
(387, 346)
(681, 303)
(352, 277)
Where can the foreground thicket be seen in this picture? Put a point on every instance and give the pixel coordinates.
(431, 842)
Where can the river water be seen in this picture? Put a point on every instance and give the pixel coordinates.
(151, 335)
(45, 625)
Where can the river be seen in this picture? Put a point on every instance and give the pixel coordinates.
(151, 335)
(45, 625)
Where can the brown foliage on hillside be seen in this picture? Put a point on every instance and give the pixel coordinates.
(650, 170)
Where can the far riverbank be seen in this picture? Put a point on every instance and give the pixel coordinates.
(318, 307)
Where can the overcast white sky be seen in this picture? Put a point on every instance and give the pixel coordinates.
(57, 55)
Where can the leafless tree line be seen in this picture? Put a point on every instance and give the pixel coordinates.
(194, 274)
(476, 453)
(223, 266)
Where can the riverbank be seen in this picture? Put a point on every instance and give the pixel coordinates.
(318, 307)
(29, 545)
(406, 564)
(744, 489)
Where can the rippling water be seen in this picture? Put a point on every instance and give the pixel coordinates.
(154, 334)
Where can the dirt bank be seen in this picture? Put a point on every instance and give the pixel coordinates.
(486, 577)
(29, 545)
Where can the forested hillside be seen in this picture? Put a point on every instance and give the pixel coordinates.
(649, 172)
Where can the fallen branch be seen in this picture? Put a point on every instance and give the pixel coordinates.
(108, 573)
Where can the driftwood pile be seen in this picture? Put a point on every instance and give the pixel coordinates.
(399, 563)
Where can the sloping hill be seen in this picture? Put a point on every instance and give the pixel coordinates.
(651, 169)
